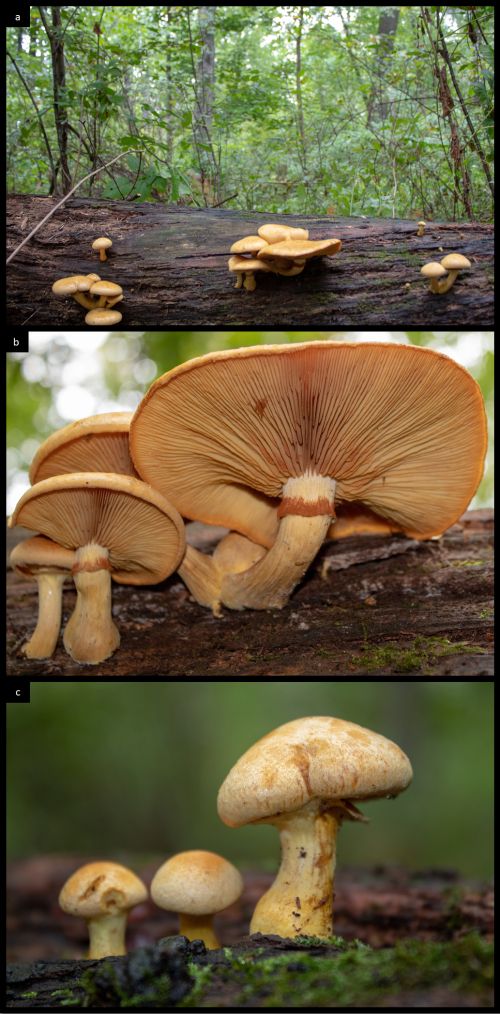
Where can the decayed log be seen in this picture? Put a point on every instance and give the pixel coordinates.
(368, 605)
(172, 265)
(380, 907)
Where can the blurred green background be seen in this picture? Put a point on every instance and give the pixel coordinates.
(106, 770)
(67, 376)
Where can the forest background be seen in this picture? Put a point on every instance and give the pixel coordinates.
(376, 111)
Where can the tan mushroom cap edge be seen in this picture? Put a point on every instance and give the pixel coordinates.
(311, 758)
(142, 531)
(98, 442)
(39, 553)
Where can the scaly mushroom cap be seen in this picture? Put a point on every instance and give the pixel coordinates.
(248, 245)
(36, 555)
(311, 758)
(300, 249)
(399, 428)
(142, 532)
(196, 883)
(98, 443)
(100, 889)
(274, 233)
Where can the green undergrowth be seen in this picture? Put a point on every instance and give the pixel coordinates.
(419, 656)
(356, 975)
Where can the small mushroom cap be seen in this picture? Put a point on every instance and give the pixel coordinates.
(74, 283)
(399, 428)
(101, 888)
(103, 288)
(38, 555)
(196, 883)
(141, 530)
(274, 233)
(311, 758)
(303, 249)
(237, 263)
(103, 318)
(432, 270)
(421, 222)
(249, 244)
(102, 243)
(455, 262)
(98, 443)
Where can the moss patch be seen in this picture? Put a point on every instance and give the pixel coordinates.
(418, 656)
(356, 976)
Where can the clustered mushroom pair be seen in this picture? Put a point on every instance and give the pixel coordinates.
(305, 778)
(283, 445)
(97, 295)
(279, 249)
(442, 275)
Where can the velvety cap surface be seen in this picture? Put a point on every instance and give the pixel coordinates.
(311, 758)
(196, 883)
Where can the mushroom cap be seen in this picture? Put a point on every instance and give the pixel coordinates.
(103, 317)
(303, 249)
(98, 443)
(401, 429)
(455, 262)
(101, 888)
(102, 243)
(73, 283)
(311, 758)
(39, 555)
(142, 532)
(249, 244)
(196, 883)
(104, 288)
(421, 222)
(433, 270)
(356, 519)
(237, 263)
(274, 233)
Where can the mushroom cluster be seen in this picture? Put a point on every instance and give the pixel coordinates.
(441, 275)
(305, 778)
(282, 445)
(97, 295)
(280, 249)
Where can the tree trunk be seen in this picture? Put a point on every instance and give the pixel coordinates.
(378, 107)
(56, 40)
(203, 105)
(172, 265)
(368, 605)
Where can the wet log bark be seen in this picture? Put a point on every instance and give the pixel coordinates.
(172, 265)
(433, 912)
(368, 605)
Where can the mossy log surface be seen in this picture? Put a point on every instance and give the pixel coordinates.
(172, 265)
(368, 605)
(404, 940)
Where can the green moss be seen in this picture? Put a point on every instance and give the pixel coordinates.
(420, 656)
(202, 979)
(29, 996)
(468, 563)
(357, 976)
(154, 990)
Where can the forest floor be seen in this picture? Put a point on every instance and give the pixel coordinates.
(368, 605)
(402, 940)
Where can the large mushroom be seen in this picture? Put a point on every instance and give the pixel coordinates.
(399, 429)
(98, 443)
(305, 778)
(119, 527)
(103, 893)
(50, 565)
